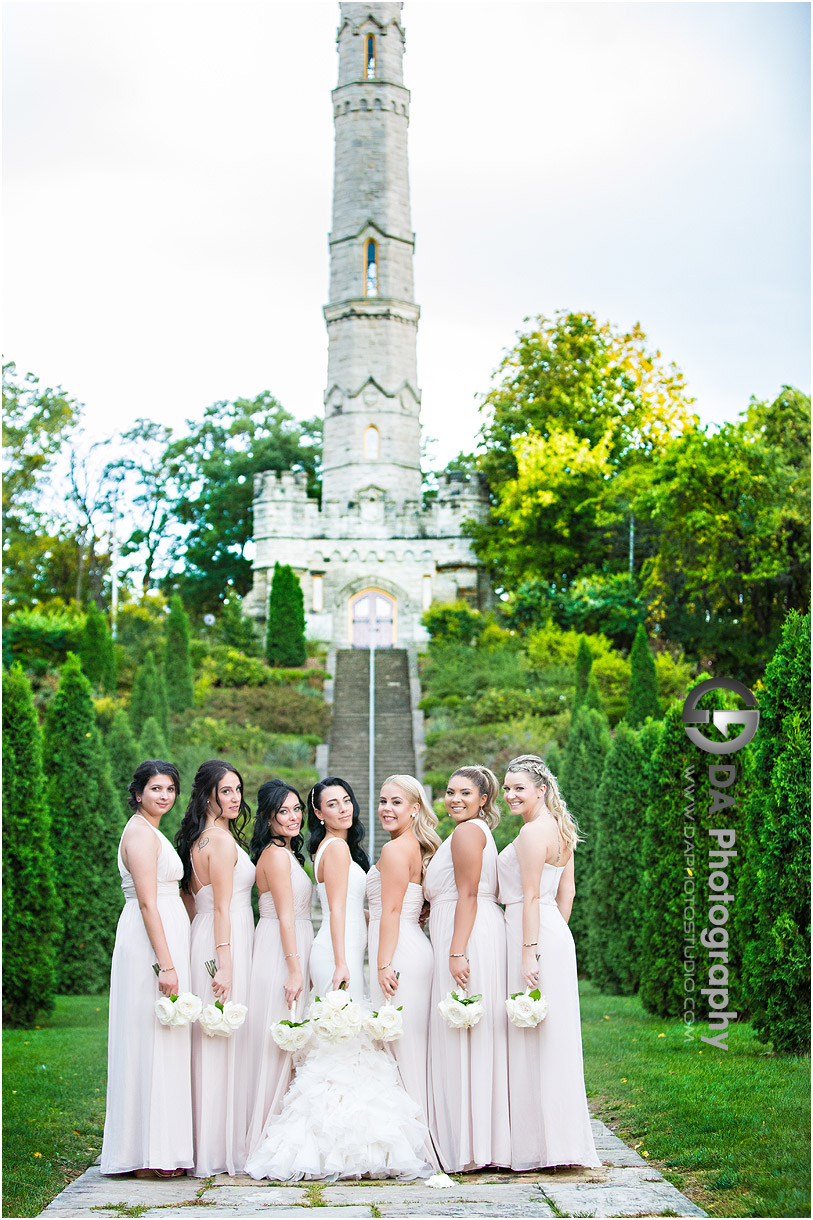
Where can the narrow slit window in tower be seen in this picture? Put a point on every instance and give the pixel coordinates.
(427, 592)
(369, 57)
(370, 270)
(372, 443)
(318, 592)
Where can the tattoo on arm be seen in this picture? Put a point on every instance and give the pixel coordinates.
(202, 843)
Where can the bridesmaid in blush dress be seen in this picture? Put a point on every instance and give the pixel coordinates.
(218, 878)
(280, 976)
(468, 1069)
(148, 1124)
(550, 1122)
(399, 952)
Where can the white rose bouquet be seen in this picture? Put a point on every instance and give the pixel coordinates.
(178, 1010)
(291, 1035)
(526, 1008)
(387, 1025)
(221, 1020)
(336, 1018)
(461, 1012)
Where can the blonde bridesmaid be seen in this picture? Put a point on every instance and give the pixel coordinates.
(400, 954)
(468, 1069)
(218, 879)
(550, 1122)
(280, 978)
(148, 1124)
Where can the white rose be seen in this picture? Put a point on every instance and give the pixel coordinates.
(188, 1006)
(354, 1017)
(336, 1000)
(234, 1015)
(164, 1010)
(391, 1023)
(210, 1020)
(453, 1013)
(472, 1013)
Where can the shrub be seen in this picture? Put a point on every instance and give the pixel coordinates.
(152, 742)
(582, 764)
(285, 629)
(775, 915)
(276, 709)
(453, 623)
(96, 651)
(149, 697)
(40, 640)
(642, 698)
(177, 662)
(584, 663)
(86, 825)
(614, 949)
(238, 632)
(31, 925)
(140, 627)
(675, 838)
(124, 757)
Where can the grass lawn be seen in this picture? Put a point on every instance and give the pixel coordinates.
(53, 1102)
(731, 1129)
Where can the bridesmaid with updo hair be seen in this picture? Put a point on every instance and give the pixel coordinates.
(468, 1068)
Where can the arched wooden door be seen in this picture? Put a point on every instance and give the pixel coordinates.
(369, 609)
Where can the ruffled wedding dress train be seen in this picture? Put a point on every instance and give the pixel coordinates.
(344, 1116)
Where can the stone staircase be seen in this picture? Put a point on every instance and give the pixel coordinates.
(349, 733)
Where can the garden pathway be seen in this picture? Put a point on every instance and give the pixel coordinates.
(625, 1186)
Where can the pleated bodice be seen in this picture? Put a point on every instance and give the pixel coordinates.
(510, 878)
(241, 891)
(439, 883)
(302, 889)
(169, 870)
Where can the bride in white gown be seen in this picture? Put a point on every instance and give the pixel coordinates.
(346, 1114)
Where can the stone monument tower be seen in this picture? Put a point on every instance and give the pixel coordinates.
(373, 554)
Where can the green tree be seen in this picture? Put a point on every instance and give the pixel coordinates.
(213, 468)
(285, 630)
(732, 508)
(124, 756)
(237, 631)
(570, 433)
(86, 826)
(177, 661)
(596, 605)
(151, 492)
(584, 663)
(31, 925)
(153, 743)
(39, 555)
(614, 943)
(675, 863)
(582, 765)
(774, 919)
(642, 699)
(149, 697)
(96, 651)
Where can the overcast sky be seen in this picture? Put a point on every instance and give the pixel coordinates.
(168, 167)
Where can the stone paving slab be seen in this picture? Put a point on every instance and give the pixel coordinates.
(625, 1185)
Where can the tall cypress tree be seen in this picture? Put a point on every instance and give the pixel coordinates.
(584, 663)
(582, 765)
(642, 699)
(31, 923)
(152, 743)
(177, 661)
(86, 826)
(123, 755)
(96, 651)
(614, 948)
(285, 632)
(774, 915)
(149, 697)
(675, 864)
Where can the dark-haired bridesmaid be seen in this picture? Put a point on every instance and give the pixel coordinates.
(339, 866)
(218, 876)
(148, 1124)
(280, 978)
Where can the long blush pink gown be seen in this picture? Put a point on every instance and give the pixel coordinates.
(413, 960)
(550, 1122)
(148, 1124)
(468, 1069)
(222, 1075)
(272, 1068)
